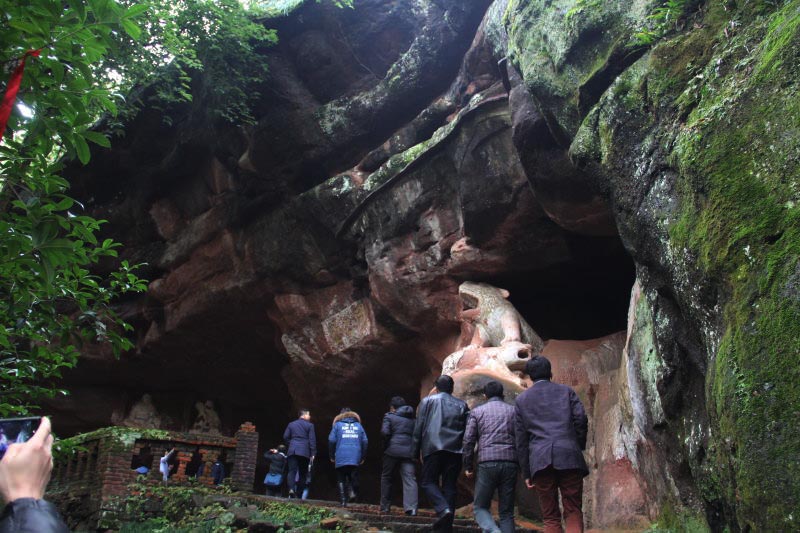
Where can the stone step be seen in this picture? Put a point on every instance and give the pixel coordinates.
(396, 520)
(400, 522)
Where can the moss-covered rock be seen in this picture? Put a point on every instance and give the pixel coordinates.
(568, 51)
(698, 145)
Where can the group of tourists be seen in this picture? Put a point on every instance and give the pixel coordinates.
(542, 437)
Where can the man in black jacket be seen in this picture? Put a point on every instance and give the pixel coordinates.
(24, 472)
(397, 431)
(438, 438)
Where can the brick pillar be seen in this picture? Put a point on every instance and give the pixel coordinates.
(183, 460)
(70, 469)
(244, 466)
(83, 460)
(209, 456)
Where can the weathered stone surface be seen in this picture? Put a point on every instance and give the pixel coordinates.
(692, 143)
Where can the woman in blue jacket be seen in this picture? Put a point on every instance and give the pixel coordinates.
(347, 446)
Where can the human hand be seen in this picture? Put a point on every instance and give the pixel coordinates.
(25, 469)
(529, 483)
(468, 473)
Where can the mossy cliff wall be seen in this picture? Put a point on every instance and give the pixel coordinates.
(696, 141)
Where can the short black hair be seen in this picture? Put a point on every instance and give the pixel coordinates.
(445, 383)
(538, 367)
(397, 402)
(303, 412)
(282, 448)
(345, 410)
(493, 389)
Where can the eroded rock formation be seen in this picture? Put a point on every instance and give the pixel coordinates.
(404, 148)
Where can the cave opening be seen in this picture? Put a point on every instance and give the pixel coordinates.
(584, 298)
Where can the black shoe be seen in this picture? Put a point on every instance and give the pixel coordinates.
(443, 518)
(411, 512)
(385, 509)
(292, 495)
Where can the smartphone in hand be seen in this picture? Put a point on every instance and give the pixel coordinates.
(16, 430)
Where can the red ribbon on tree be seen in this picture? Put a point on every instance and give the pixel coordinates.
(11, 90)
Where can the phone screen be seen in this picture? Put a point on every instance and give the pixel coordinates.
(14, 430)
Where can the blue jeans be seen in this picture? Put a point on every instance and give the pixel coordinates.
(491, 476)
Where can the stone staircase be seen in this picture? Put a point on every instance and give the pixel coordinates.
(397, 521)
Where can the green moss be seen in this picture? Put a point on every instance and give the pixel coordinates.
(124, 436)
(722, 101)
(672, 520)
(739, 161)
(561, 46)
(781, 46)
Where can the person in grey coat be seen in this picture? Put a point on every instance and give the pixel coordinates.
(551, 429)
(397, 431)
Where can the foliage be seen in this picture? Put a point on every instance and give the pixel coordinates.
(206, 50)
(184, 509)
(580, 7)
(94, 53)
(281, 8)
(52, 303)
(294, 515)
(663, 19)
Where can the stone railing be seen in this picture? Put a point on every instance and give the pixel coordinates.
(92, 477)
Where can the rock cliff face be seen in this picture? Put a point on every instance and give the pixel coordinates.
(555, 149)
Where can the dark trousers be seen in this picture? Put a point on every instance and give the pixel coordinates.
(348, 476)
(297, 464)
(491, 476)
(409, 477)
(441, 467)
(548, 484)
(273, 491)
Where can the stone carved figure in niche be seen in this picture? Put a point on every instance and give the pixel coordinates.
(207, 420)
(497, 337)
(143, 414)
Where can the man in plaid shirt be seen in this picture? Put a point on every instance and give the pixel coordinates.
(491, 426)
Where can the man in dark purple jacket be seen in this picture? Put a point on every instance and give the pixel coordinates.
(302, 447)
(551, 428)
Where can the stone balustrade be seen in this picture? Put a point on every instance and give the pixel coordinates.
(93, 471)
